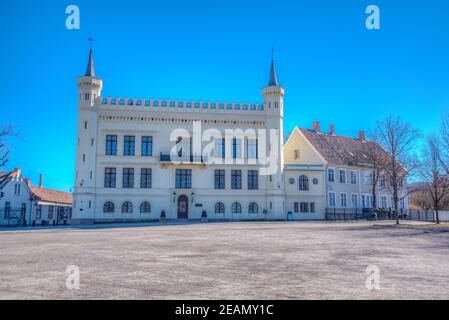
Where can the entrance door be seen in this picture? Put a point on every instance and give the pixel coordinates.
(183, 207)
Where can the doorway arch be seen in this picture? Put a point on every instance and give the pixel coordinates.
(183, 207)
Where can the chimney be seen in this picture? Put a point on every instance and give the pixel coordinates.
(331, 129)
(316, 126)
(41, 180)
(18, 171)
(28, 182)
(362, 135)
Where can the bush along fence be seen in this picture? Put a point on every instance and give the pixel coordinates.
(343, 214)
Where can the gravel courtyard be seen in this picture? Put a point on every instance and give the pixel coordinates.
(226, 261)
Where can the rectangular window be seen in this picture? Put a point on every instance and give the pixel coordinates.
(236, 148)
(110, 175)
(330, 175)
(343, 200)
(219, 179)
(331, 199)
(383, 182)
(304, 207)
(353, 177)
(50, 212)
(342, 176)
(368, 177)
(219, 149)
(145, 178)
(383, 201)
(38, 212)
(7, 209)
(252, 148)
(236, 179)
(111, 145)
(183, 178)
(312, 207)
(253, 183)
(296, 207)
(354, 200)
(367, 200)
(128, 178)
(147, 146)
(17, 189)
(23, 210)
(128, 146)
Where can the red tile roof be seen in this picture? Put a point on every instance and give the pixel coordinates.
(341, 150)
(51, 195)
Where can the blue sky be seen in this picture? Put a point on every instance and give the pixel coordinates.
(333, 69)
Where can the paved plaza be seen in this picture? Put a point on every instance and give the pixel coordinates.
(244, 260)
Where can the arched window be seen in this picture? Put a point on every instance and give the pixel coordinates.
(127, 207)
(303, 183)
(236, 207)
(219, 207)
(108, 207)
(253, 208)
(145, 207)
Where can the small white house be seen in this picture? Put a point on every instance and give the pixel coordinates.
(23, 204)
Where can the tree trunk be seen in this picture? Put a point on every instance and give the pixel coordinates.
(437, 215)
(396, 209)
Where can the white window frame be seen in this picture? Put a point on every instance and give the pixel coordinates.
(345, 194)
(383, 202)
(367, 200)
(356, 205)
(251, 146)
(334, 198)
(328, 175)
(368, 177)
(340, 170)
(218, 148)
(353, 174)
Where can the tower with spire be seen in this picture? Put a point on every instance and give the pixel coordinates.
(89, 89)
(273, 96)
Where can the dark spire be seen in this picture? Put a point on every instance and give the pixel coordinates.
(273, 80)
(90, 71)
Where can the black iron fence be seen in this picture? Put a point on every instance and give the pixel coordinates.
(343, 214)
(12, 216)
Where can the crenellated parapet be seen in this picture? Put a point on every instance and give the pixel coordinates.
(160, 104)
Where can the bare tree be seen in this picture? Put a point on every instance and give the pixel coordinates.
(5, 131)
(398, 139)
(433, 173)
(445, 142)
(377, 162)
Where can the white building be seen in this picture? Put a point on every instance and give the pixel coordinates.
(344, 166)
(126, 168)
(21, 203)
